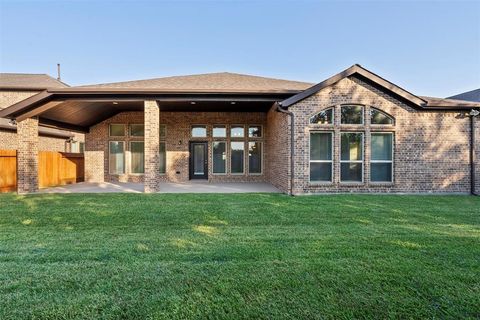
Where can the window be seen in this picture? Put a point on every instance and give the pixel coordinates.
(323, 117)
(137, 130)
(321, 157)
(75, 147)
(255, 157)
(116, 157)
(219, 131)
(237, 132)
(351, 157)
(137, 157)
(352, 114)
(237, 157)
(219, 157)
(381, 164)
(379, 117)
(255, 131)
(199, 131)
(163, 131)
(117, 130)
(163, 158)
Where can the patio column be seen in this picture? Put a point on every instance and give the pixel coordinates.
(27, 156)
(152, 146)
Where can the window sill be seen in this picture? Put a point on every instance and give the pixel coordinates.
(320, 183)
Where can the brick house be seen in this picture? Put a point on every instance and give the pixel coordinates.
(15, 87)
(354, 132)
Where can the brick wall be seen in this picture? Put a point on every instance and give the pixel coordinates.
(477, 154)
(431, 150)
(278, 150)
(27, 156)
(178, 127)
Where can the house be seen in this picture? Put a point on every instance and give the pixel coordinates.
(15, 87)
(353, 132)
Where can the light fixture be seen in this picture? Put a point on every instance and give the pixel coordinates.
(179, 142)
(474, 113)
(115, 102)
(233, 102)
(12, 122)
(193, 102)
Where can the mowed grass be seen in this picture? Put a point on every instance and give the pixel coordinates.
(240, 256)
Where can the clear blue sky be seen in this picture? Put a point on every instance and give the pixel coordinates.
(429, 48)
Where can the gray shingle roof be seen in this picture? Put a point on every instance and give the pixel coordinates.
(473, 95)
(29, 81)
(223, 81)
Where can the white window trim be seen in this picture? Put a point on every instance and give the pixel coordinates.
(130, 158)
(110, 130)
(320, 161)
(237, 125)
(124, 158)
(322, 124)
(165, 143)
(353, 161)
(198, 125)
(254, 125)
(227, 155)
(220, 125)
(230, 162)
(383, 161)
(130, 130)
(261, 158)
(353, 105)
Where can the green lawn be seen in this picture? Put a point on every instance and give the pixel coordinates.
(267, 256)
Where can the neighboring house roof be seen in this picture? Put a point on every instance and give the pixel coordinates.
(473, 95)
(208, 82)
(44, 132)
(441, 102)
(19, 81)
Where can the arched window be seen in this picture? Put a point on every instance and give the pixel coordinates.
(379, 117)
(352, 114)
(323, 117)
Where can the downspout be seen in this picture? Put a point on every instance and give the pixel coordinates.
(292, 140)
(472, 115)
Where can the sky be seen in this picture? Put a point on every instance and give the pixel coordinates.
(427, 47)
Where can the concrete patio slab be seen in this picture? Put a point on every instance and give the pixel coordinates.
(166, 187)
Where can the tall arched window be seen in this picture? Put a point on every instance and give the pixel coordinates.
(323, 117)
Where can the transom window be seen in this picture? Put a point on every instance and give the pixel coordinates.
(219, 131)
(323, 117)
(321, 157)
(137, 130)
(381, 163)
(379, 117)
(163, 131)
(351, 157)
(199, 131)
(117, 130)
(237, 131)
(254, 131)
(351, 114)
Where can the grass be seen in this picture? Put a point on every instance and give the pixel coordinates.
(241, 256)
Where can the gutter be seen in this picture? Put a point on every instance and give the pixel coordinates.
(472, 115)
(292, 140)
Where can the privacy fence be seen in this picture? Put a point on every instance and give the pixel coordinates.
(54, 169)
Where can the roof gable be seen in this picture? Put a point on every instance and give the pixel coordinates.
(355, 70)
(18, 81)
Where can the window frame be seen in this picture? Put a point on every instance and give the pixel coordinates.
(254, 125)
(322, 124)
(120, 124)
(198, 125)
(218, 126)
(352, 161)
(261, 158)
(226, 157)
(353, 105)
(230, 162)
(332, 134)
(130, 171)
(385, 113)
(392, 162)
(124, 159)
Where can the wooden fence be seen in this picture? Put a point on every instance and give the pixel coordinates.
(54, 169)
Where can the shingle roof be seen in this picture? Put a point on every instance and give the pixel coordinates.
(441, 102)
(29, 81)
(218, 82)
(473, 95)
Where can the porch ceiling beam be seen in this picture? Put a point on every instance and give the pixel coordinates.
(177, 99)
(62, 125)
(39, 110)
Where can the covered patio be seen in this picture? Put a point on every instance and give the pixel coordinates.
(165, 187)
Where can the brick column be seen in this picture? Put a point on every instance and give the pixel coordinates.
(152, 147)
(27, 156)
